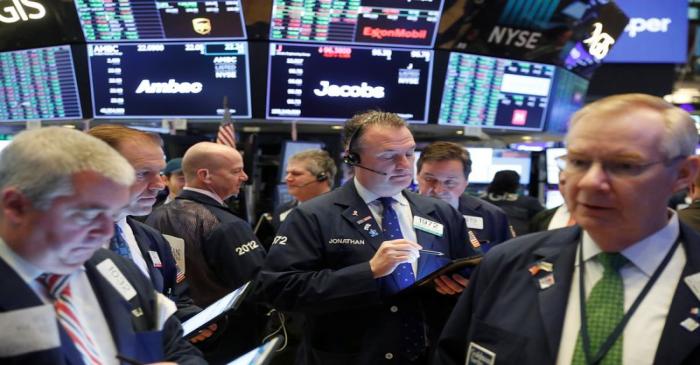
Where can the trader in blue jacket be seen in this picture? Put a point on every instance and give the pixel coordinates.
(346, 259)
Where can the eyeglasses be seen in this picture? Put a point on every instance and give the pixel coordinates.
(620, 169)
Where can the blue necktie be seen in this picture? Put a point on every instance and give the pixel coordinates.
(412, 329)
(118, 244)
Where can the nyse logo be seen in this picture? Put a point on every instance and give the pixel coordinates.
(22, 10)
(170, 87)
(516, 37)
(599, 43)
(350, 91)
(654, 25)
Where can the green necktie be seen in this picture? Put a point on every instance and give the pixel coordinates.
(605, 308)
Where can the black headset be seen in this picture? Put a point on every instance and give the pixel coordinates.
(351, 157)
(321, 177)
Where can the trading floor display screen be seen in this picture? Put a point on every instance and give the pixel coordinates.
(495, 93)
(486, 162)
(38, 84)
(327, 83)
(189, 80)
(385, 22)
(137, 20)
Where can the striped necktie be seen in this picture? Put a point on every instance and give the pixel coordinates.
(60, 292)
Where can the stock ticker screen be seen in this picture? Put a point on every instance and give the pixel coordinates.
(496, 93)
(307, 82)
(188, 80)
(373, 22)
(38, 84)
(137, 20)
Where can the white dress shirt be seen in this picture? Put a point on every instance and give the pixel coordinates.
(136, 256)
(643, 331)
(207, 193)
(402, 209)
(84, 300)
(560, 219)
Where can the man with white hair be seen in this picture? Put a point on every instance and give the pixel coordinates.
(63, 299)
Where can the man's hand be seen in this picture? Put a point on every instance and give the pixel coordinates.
(451, 286)
(392, 253)
(204, 333)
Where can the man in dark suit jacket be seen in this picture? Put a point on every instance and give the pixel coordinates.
(332, 261)
(626, 155)
(443, 172)
(59, 305)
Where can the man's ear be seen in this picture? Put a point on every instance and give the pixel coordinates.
(15, 205)
(203, 175)
(687, 173)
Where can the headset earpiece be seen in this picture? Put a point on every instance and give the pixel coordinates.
(351, 158)
(321, 177)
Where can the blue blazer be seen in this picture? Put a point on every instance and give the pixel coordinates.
(134, 336)
(522, 324)
(496, 227)
(319, 265)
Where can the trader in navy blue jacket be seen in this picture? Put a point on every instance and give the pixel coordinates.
(443, 172)
(344, 259)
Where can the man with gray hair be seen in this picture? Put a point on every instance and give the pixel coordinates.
(309, 174)
(621, 287)
(64, 299)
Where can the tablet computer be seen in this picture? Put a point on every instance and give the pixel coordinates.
(211, 313)
(260, 355)
(449, 269)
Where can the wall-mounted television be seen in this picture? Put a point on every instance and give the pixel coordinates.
(374, 22)
(38, 84)
(332, 82)
(143, 20)
(155, 80)
(499, 93)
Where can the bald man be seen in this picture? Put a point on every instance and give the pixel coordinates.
(221, 251)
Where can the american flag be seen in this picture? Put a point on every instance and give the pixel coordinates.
(227, 133)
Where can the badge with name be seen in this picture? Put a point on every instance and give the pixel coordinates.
(426, 225)
(474, 222)
(693, 282)
(479, 355)
(114, 276)
(156, 259)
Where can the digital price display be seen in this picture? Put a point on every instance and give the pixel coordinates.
(495, 92)
(373, 22)
(38, 84)
(332, 83)
(137, 20)
(188, 80)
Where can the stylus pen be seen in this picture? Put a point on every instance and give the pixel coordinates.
(128, 360)
(431, 252)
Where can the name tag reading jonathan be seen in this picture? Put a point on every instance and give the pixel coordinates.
(426, 225)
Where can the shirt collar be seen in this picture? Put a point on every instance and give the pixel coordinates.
(646, 254)
(369, 197)
(26, 270)
(207, 193)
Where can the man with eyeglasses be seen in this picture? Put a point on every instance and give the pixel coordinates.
(621, 287)
(443, 173)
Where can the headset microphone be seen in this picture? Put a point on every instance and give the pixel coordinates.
(368, 169)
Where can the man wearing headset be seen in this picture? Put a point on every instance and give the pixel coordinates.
(347, 259)
(309, 174)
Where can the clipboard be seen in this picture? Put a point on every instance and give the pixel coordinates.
(210, 314)
(451, 268)
(260, 355)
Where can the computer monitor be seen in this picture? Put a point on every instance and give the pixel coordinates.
(291, 148)
(175, 79)
(139, 20)
(486, 162)
(568, 96)
(494, 92)
(553, 199)
(38, 84)
(551, 155)
(373, 22)
(332, 83)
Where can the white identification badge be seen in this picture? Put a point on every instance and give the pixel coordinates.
(474, 222)
(155, 258)
(284, 215)
(114, 276)
(177, 245)
(479, 355)
(693, 282)
(28, 330)
(426, 225)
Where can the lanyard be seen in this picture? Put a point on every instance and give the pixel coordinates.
(617, 331)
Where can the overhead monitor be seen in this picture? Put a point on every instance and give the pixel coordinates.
(486, 162)
(552, 169)
(155, 80)
(139, 20)
(496, 93)
(568, 96)
(374, 22)
(661, 26)
(38, 84)
(291, 148)
(332, 83)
